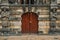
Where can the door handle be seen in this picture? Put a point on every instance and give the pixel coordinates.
(30, 22)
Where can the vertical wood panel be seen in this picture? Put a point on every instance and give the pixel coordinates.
(33, 23)
(25, 23)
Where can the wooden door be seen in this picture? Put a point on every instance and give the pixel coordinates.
(29, 23)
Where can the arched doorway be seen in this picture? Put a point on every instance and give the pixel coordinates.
(29, 22)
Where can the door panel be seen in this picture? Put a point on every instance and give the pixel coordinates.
(25, 23)
(33, 23)
(29, 23)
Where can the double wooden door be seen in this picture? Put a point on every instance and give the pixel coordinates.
(29, 22)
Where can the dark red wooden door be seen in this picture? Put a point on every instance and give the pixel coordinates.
(29, 23)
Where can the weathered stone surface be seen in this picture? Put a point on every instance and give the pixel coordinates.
(31, 37)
